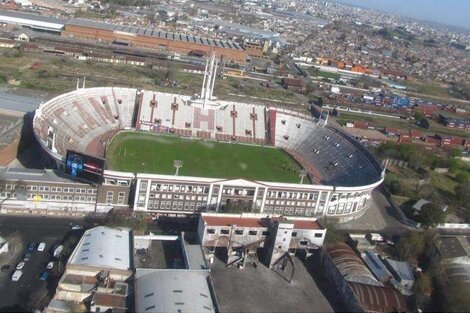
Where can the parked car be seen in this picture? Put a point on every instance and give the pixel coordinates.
(5, 268)
(44, 276)
(27, 257)
(77, 227)
(31, 246)
(42, 246)
(17, 275)
(50, 265)
(20, 265)
(57, 251)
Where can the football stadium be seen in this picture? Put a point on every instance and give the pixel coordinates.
(165, 153)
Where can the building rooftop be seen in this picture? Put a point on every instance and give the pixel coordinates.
(255, 222)
(156, 33)
(34, 20)
(109, 300)
(172, 291)
(103, 247)
(350, 265)
(401, 270)
(378, 299)
(34, 175)
(451, 247)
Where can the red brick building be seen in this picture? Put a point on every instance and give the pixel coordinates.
(154, 39)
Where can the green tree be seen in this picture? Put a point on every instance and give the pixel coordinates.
(394, 187)
(462, 177)
(404, 249)
(431, 214)
(462, 193)
(332, 234)
(454, 165)
(418, 115)
(424, 123)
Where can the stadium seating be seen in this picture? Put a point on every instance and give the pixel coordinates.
(246, 124)
(336, 158)
(80, 119)
(71, 121)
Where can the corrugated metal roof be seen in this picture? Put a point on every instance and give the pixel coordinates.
(378, 299)
(350, 265)
(401, 270)
(154, 33)
(32, 17)
(103, 247)
(164, 291)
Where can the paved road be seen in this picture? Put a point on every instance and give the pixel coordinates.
(379, 218)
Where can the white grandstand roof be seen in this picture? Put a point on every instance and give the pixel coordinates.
(165, 291)
(103, 247)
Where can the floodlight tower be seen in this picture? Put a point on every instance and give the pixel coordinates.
(177, 164)
(209, 79)
(302, 175)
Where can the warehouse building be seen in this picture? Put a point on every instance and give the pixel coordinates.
(173, 291)
(33, 21)
(151, 38)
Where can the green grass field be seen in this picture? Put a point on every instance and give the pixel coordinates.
(150, 153)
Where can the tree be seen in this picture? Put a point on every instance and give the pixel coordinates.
(403, 249)
(418, 115)
(424, 123)
(462, 193)
(394, 187)
(310, 87)
(422, 288)
(332, 235)
(462, 177)
(431, 214)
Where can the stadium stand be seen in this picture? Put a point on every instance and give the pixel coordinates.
(334, 157)
(162, 112)
(73, 120)
(342, 171)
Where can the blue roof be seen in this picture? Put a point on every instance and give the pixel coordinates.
(376, 266)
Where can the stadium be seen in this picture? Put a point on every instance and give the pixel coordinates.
(176, 154)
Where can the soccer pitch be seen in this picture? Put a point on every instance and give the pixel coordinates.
(150, 153)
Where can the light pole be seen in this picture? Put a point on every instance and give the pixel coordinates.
(177, 164)
(302, 175)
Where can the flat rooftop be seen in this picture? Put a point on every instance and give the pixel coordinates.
(452, 247)
(261, 289)
(161, 254)
(257, 222)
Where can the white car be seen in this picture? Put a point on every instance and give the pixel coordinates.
(77, 227)
(20, 265)
(16, 275)
(42, 246)
(50, 265)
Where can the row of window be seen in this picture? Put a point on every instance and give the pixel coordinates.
(242, 232)
(292, 203)
(295, 195)
(293, 211)
(110, 197)
(175, 205)
(177, 197)
(174, 188)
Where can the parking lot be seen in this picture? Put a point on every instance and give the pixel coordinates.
(29, 292)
